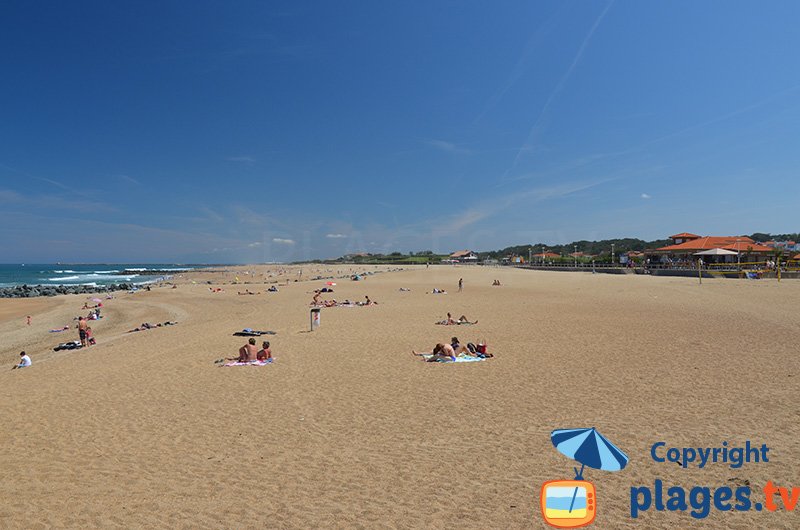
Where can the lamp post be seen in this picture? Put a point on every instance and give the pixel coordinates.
(612, 254)
(529, 257)
(542, 249)
(575, 255)
(738, 257)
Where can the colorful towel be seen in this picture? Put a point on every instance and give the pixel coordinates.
(460, 359)
(251, 363)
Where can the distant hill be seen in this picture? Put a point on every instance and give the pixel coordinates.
(588, 248)
(593, 248)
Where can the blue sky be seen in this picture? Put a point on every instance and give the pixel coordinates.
(263, 131)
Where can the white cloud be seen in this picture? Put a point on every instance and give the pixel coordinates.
(129, 180)
(646, 196)
(335, 236)
(254, 244)
(281, 241)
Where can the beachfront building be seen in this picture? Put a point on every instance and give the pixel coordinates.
(544, 257)
(513, 259)
(685, 247)
(464, 256)
(788, 246)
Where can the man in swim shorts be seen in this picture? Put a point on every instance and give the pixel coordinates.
(82, 325)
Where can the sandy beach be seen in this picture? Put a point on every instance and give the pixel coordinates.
(348, 430)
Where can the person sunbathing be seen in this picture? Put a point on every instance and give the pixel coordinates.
(247, 353)
(450, 321)
(366, 302)
(441, 352)
(264, 354)
(458, 348)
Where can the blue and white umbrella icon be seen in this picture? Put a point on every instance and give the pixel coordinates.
(590, 448)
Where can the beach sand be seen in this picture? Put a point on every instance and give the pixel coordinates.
(348, 430)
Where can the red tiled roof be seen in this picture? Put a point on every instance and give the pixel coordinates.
(461, 254)
(684, 235)
(744, 246)
(796, 257)
(737, 244)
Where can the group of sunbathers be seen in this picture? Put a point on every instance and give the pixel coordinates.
(496, 283)
(438, 291)
(148, 325)
(450, 321)
(449, 352)
(94, 314)
(250, 352)
(316, 302)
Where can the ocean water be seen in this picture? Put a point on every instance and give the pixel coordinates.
(84, 274)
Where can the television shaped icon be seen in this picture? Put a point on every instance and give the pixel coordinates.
(568, 503)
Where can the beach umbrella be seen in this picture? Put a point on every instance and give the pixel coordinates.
(590, 448)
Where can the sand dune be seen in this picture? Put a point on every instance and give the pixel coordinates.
(348, 430)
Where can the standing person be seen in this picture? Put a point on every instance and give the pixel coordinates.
(460, 284)
(29, 320)
(24, 361)
(82, 325)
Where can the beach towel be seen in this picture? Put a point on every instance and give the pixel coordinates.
(59, 330)
(75, 344)
(247, 332)
(458, 359)
(251, 363)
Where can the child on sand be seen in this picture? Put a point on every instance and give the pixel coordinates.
(24, 361)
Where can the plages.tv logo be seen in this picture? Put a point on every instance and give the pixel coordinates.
(573, 503)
